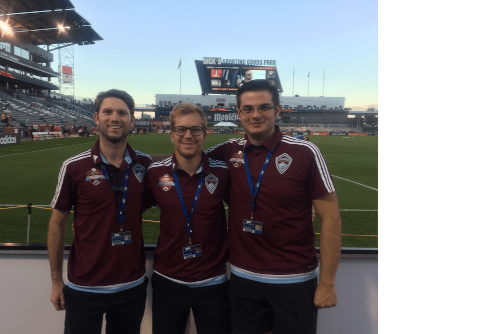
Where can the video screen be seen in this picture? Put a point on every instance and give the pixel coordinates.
(226, 79)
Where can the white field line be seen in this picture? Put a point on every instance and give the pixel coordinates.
(48, 149)
(338, 177)
(55, 148)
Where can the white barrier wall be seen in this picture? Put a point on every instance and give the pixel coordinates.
(25, 288)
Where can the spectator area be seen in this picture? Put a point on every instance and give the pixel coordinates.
(27, 110)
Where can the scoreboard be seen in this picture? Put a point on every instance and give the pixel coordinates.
(222, 76)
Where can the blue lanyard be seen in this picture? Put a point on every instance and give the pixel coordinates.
(183, 204)
(121, 205)
(254, 190)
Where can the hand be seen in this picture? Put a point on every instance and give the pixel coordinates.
(325, 296)
(57, 296)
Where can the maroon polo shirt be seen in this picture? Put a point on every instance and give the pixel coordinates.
(295, 176)
(208, 221)
(93, 261)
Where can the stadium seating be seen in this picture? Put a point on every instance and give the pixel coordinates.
(34, 110)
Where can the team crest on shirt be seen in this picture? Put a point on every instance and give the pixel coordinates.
(95, 158)
(283, 162)
(166, 182)
(237, 159)
(94, 176)
(139, 172)
(211, 182)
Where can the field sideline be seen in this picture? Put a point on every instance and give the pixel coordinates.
(30, 170)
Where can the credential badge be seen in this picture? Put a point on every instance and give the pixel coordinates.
(211, 182)
(166, 182)
(283, 162)
(139, 172)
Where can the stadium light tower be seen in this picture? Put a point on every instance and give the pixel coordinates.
(67, 59)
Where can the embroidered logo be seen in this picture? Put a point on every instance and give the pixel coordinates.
(283, 162)
(139, 172)
(95, 158)
(237, 159)
(94, 176)
(211, 182)
(166, 182)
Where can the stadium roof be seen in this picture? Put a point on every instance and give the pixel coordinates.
(17, 6)
(37, 22)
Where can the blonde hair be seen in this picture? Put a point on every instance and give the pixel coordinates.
(187, 109)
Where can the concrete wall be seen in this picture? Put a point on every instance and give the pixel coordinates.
(25, 288)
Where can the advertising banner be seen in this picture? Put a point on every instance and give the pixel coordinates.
(159, 123)
(10, 139)
(357, 134)
(67, 74)
(226, 117)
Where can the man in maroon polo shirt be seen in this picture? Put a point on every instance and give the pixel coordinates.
(274, 181)
(191, 254)
(106, 263)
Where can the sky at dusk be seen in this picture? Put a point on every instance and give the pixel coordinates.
(143, 42)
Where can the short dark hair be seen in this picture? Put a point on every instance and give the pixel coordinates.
(119, 94)
(257, 86)
(187, 109)
(244, 72)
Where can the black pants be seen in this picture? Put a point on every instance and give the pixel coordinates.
(171, 303)
(257, 308)
(124, 310)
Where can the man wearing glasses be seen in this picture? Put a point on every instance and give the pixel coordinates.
(106, 263)
(274, 181)
(191, 253)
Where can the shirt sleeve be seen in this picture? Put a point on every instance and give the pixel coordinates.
(148, 199)
(64, 196)
(321, 182)
(219, 151)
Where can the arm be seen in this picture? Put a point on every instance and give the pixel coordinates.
(327, 208)
(55, 247)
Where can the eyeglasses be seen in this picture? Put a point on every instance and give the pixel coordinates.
(118, 187)
(195, 130)
(248, 110)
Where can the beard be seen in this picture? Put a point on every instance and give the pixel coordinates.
(115, 139)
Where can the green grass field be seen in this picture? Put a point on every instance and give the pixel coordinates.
(29, 173)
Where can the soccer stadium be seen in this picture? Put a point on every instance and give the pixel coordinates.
(44, 123)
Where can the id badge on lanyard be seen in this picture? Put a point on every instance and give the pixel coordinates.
(190, 251)
(251, 225)
(122, 237)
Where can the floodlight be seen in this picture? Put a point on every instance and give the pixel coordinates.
(6, 29)
(61, 27)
